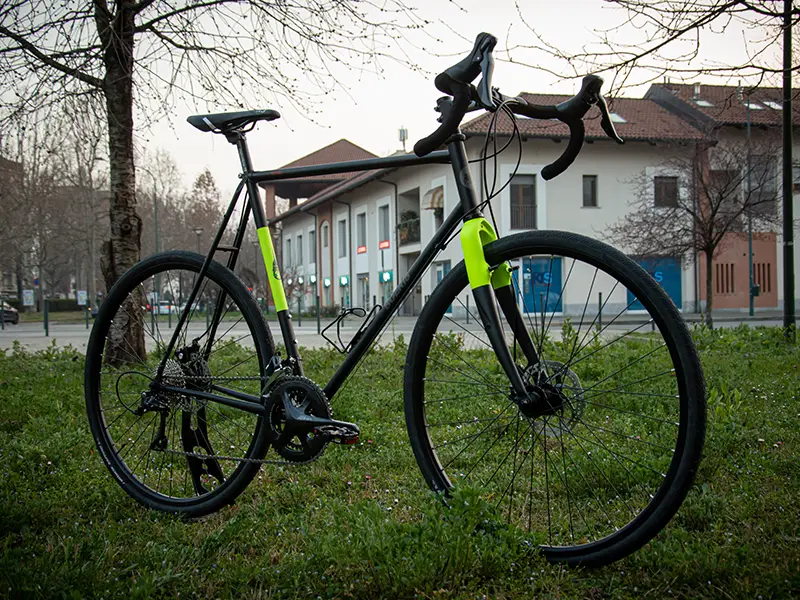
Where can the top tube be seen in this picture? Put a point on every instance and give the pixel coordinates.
(368, 164)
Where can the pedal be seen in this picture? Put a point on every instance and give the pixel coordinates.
(341, 433)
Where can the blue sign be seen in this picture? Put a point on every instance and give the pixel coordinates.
(541, 284)
(666, 271)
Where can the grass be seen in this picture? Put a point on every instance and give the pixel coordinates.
(360, 522)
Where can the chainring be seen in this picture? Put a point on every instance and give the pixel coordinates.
(308, 396)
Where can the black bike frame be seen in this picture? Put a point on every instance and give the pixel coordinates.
(466, 209)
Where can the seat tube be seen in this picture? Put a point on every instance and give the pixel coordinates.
(474, 235)
(270, 260)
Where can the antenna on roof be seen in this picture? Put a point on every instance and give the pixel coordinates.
(403, 135)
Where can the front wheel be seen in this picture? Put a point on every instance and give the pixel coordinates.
(605, 465)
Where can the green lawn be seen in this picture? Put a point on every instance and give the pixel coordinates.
(360, 522)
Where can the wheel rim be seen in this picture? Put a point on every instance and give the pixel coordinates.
(134, 442)
(589, 475)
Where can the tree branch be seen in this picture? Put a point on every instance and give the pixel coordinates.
(184, 9)
(49, 61)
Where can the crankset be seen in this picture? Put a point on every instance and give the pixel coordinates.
(299, 420)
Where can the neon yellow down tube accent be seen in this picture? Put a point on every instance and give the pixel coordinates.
(475, 234)
(273, 273)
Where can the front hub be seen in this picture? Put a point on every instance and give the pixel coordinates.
(542, 400)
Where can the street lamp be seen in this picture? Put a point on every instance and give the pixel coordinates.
(751, 288)
(198, 232)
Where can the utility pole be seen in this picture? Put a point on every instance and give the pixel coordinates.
(788, 192)
(198, 231)
(749, 216)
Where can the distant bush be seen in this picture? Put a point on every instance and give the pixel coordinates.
(64, 305)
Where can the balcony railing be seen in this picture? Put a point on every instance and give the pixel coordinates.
(408, 231)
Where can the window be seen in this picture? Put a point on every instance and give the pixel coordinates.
(8, 280)
(438, 218)
(764, 185)
(666, 192)
(523, 202)
(762, 276)
(703, 103)
(299, 250)
(312, 246)
(753, 105)
(287, 260)
(361, 233)
(723, 279)
(725, 194)
(774, 105)
(617, 118)
(383, 223)
(325, 235)
(342, 238)
(590, 190)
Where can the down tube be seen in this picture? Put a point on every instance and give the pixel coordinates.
(373, 330)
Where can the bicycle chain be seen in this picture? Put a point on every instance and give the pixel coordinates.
(259, 461)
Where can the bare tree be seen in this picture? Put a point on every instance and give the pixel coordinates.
(12, 243)
(150, 52)
(659, 38)
(203, 209)
(32, 203)
(162, 203)
(696, 202)
(83, 166)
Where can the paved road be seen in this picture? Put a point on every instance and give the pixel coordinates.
(31, 335)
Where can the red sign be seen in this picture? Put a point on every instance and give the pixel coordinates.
(361, 250)
(383, 245)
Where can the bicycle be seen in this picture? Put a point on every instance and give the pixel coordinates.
(595, 432)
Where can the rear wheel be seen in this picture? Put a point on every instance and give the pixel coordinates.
(603, 468)
(141, 433)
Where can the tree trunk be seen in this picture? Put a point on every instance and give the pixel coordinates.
(19, 271)
(121, 252)
(709, 290)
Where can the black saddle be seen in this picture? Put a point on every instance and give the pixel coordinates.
(226, 122)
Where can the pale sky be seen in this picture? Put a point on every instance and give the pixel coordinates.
(377, 107)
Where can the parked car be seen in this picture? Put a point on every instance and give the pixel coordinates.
(165, 307)
(10, 314)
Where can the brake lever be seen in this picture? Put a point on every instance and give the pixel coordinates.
(605, 120)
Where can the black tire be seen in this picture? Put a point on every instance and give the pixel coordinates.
(111, 387)
(621, 505)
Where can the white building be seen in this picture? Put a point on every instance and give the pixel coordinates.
(371, 226)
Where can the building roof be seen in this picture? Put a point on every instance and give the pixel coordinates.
(332, 191)
(304, 187)
(9, 165)
(340, 151)
(644, 121)
(725, 104)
